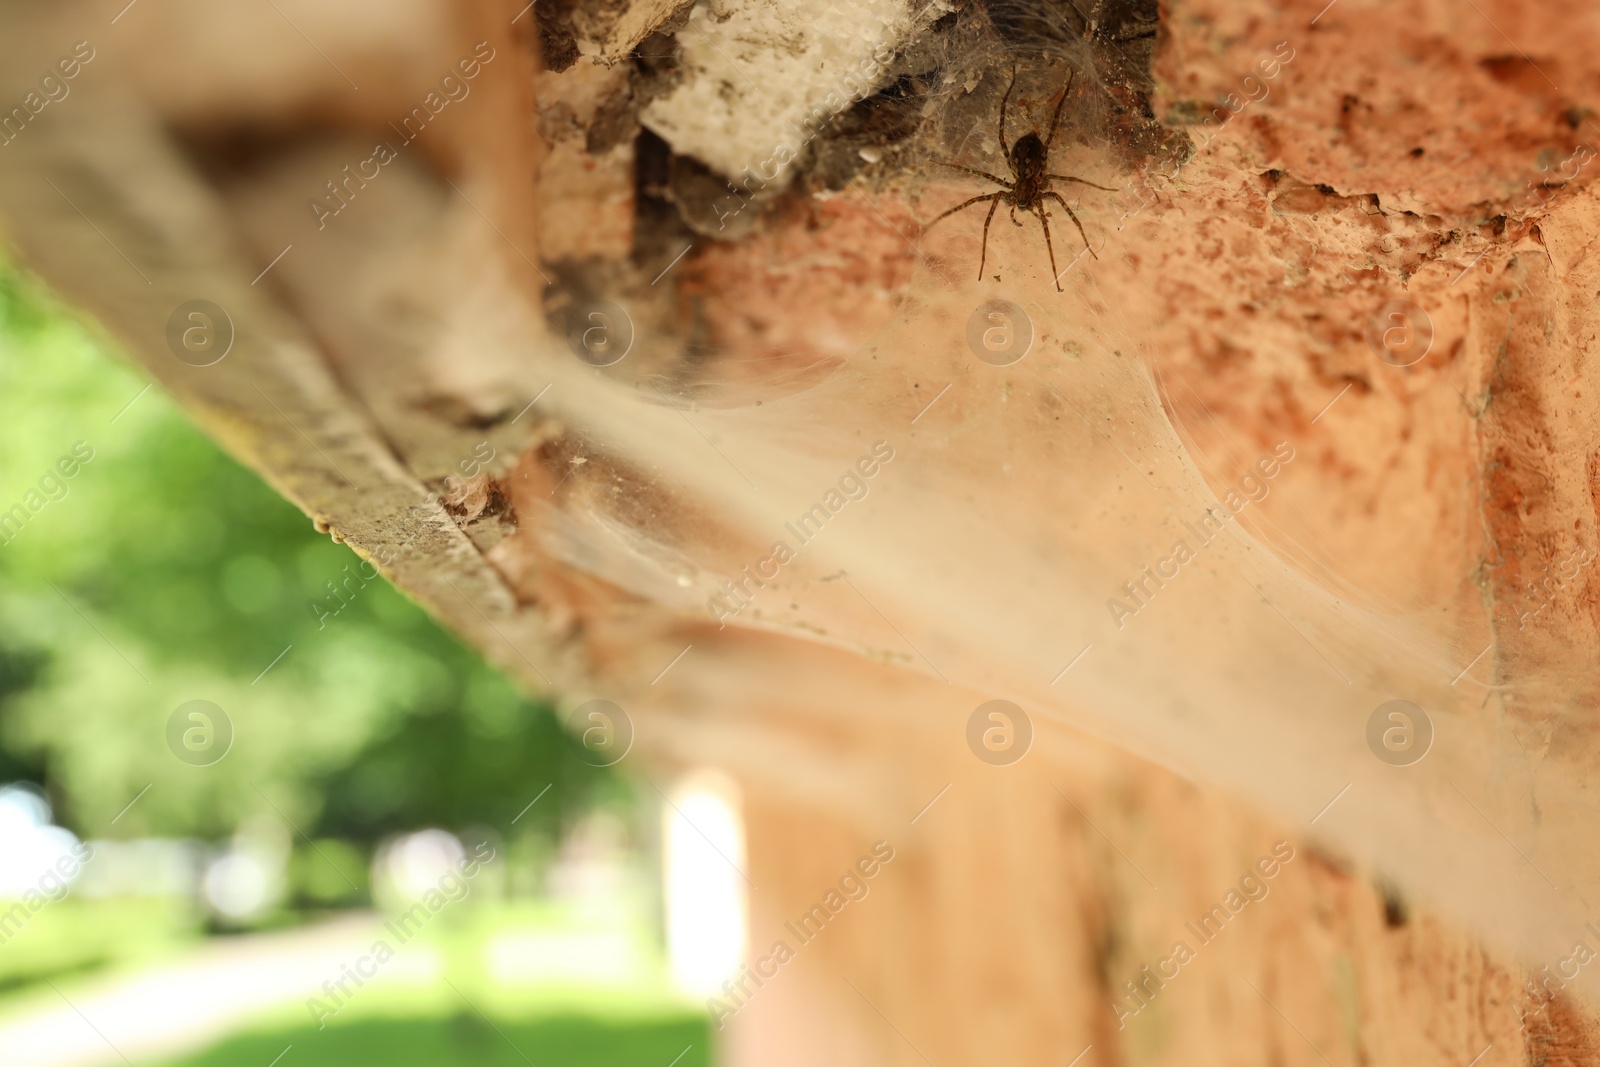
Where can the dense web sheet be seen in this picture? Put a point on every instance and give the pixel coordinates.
(1054, 531)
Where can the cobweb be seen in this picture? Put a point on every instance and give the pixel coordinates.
(1026, 499)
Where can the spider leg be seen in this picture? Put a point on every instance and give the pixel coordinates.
(1014, 221)
(965, 203)
(984, 257)
(1090, 29)
(1038, 209)
(1074, 219)
(1056, 121)
(1080, 181)
(1005, 148)
(969, 170)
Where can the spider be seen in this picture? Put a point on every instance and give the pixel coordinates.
(1027, 160)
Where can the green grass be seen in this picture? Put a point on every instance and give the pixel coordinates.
(467, 1038)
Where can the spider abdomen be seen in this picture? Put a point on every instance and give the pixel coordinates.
(1028, 160)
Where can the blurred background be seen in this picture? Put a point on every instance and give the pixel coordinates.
(255, 805)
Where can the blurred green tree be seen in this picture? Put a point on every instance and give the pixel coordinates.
(161, 572)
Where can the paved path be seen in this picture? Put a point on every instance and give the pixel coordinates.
(187, 1003)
